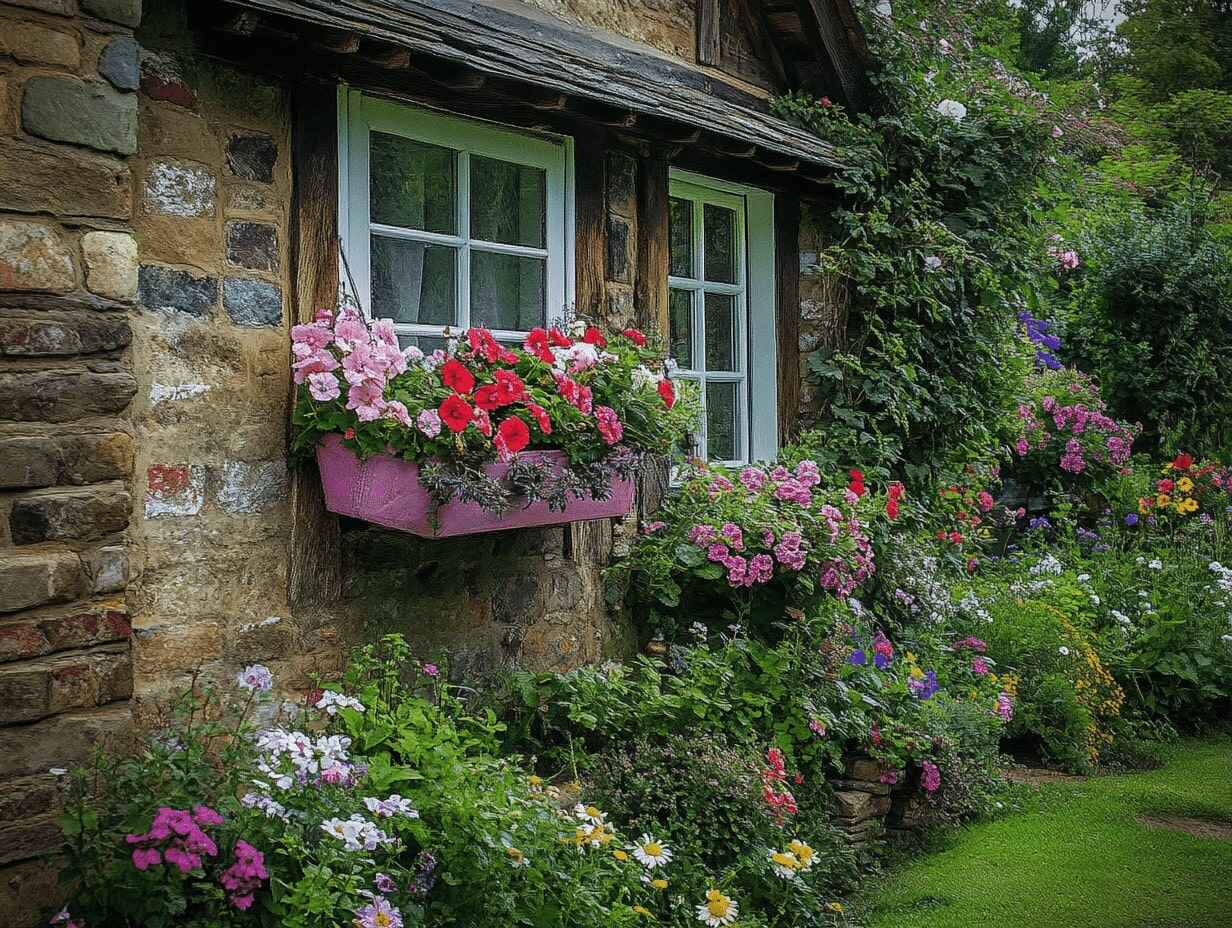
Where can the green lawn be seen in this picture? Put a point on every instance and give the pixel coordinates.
(1077, 857)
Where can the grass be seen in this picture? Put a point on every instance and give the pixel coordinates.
(1077, 857)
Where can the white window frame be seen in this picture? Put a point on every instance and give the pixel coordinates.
(756, 301)
(360, 114)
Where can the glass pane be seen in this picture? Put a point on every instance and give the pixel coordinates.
(411, 184)
(719, 245)
(508, 202)
(680, 236)
(722, 420)
(413, 282)
(680, 338)
(720, 332)
(425, 343)
(507, 291)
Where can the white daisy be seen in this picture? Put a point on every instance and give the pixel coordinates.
(784, 864)
(717, 910)
(651, 853)
(590, 814)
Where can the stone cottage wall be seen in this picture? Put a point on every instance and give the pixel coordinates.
(68, 282)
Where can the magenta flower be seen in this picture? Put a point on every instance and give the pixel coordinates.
(930, 777)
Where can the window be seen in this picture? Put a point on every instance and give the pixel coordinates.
(454, 222)
(721, 313)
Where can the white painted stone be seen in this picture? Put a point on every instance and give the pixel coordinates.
(164, 392)
(111, 264)
(167, 498)
(249, 487)
(180, 188)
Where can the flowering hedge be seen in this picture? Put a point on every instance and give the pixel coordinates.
(601, 399)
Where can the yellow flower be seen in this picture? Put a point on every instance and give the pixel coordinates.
(534, 780)
(1189, 505)
(620, 855)
(834, 906)
(917, 673)
(910, 657)
(1162, 500)
(784, 864)
(805, 854)
(1185, 485)
(1144, 506)
(642, 910)
(659, 883)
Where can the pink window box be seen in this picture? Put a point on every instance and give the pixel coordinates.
(385, 490)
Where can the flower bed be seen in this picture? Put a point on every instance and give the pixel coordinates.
(461, 417)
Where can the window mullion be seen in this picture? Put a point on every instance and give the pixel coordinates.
(463, 313)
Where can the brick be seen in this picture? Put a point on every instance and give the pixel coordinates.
(34, 44)
(252, 245)
(61, 396)
(252, 302)
(111, 264)
(174, 490)
(252, 155)
(68, 515)
(63, 182)
(163, 79)
(166, 289)
(180, 188)
(93, 114)
(34, 256)
(120, 63)
(25, 638)
(28, 580)
(252, 487)
(76, 459)
(63, 741)
(127, 12)
(61, 337)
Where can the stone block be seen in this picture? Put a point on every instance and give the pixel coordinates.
(252, 156)
(174, 490)
(93, 114)
(247, 199)
(111, 264)
(31, 43)
(876, 789)
(62, 337)
(26, 638)
(61, 396)
(163, 79)
(34, 256)
(31, 796)
(252, 302)
(108, 569)
(28, 838)
(252, 245)
(63, 7)
(28, 889)
(862, 768)
(68, 515)
(516, 600)
(167, 290)
(36, 689)
(180, 188)
(127, 12)
(75, 459)
(63, 182)
(63, 741)
(165, 650)
(28, 580)
(853, 806)
(247, 488)
(120, 63)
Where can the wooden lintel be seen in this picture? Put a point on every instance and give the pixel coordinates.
(553, 102)
(732, 148)
(338, 41)
(389, 57)
(454, 78)
(786, 165)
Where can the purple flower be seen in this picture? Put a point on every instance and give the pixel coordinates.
(379, 914)
(930, 776)
(925, 687)
(880, 661)
(1131, 519)
(858, 658)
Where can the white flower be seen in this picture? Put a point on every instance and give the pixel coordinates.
(932, 263)
(270, 807)
(256, 678)
(1120, 617)
(57, 771)
(590, 814)
(388, 808)
(356, 833)
(1064, 651)
(331, 702)
(717, 910)
(1083, 578)
(651, 853)
(952, 109)
(784, 864)
(1047, 565)
(1095, 600)
(579, 356)
(1227, 639)
(945, 47)
(643, 377)
(1156, 564)
(577, 328)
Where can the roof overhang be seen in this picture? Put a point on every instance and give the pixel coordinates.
(553, 64)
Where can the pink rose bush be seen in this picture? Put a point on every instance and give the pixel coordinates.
(601, 399)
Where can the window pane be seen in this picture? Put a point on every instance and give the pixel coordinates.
(413, 282)
(411, 184)
(680, 236)
(720, 332)
(722, 420)
(507, 291)
(680, 338)
(508, 202)
(719, 245)
(425, 343)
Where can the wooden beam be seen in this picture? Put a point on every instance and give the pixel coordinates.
(785, 165)
(650, 290)
(787, 311)
(730, 147)
(314, 562)
(709, 37)
(386, 56)
(590, 221)
(337, 41)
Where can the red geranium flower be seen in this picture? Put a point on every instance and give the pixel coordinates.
(1183, 461)
(509, 386)
(537, 344)
(455, 412)
(456, 377)
(483, 422)
(1165, 486)
(593, 336)
(892, 508)
(541, 418)
(857, 482)
(667, 392)
(483, 344)
(635, 336)
(558, 339)
(512, 435)
(488, 397)
(956, 537)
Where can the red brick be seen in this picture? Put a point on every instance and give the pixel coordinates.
(35, 637)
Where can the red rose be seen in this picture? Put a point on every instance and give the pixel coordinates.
(667, 392)
(455, 412)
(1183, 461)
(456, 377)
(512, 435)
(593, 336)
(635, 336)
(488, 397)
